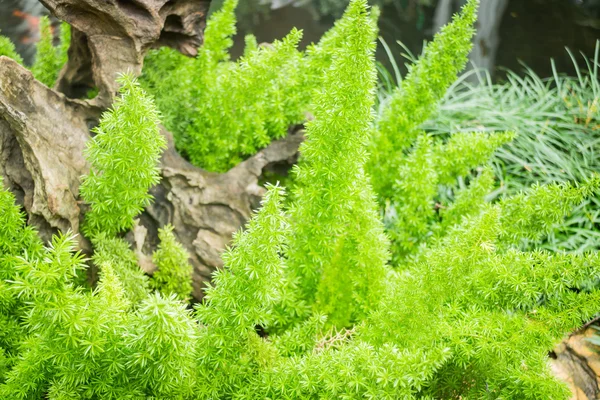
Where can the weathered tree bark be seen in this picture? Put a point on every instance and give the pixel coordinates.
(112, 36)
(576, 361)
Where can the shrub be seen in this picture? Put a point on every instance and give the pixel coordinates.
(307, 305)
(222, 111)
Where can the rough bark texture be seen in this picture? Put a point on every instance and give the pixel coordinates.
(112, 36)
(577, 361)
(42, 137)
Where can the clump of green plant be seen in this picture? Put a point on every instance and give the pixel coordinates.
(124, 157)
(306, 306)
(222, 111)
(7, 49)
(174, 270)
(333, 201)
(415, 98)
(557, 126)
(49, 59)
(16, 240)
(417, 175)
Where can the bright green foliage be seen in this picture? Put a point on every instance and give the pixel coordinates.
(221, 111)
(337, 247)
(49, 59)
(411, 214)
(161, 348)
(305, 306)
(16, 240)
(530, 216)
(124, 157)
(241, 297)
(465, 151)
(123, 261)
(469, 200)
(7, 49)
(556, 120)
(83, 345)
(413, 101)
(174, 275)
(269, 106)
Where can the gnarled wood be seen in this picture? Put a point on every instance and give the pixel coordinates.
(112, 36)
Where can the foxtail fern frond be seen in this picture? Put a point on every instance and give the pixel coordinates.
(337, 247)
(416, 97)
(124, 158)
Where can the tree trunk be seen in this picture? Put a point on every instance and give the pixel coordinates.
(43, 133)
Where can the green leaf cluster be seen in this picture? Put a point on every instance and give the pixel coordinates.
(124, 156)
(7, 49)
(49, 59)
(307, 304)
(222, 111)
(174, 270)
(417, 96)
(556, 120)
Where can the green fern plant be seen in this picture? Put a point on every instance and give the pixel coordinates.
(307, 305)
(7, 49)
(337, 248)
(413, 101)
(220, 111)
(124, 156)
(174, 274)
(49, 59)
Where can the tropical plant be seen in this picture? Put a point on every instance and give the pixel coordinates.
(307, 305)
(124, 157)
(222, 111)
(49, 59)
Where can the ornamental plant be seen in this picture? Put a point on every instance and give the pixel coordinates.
(174, 270)
(49, 59)
(124, 157)
(308, 304)
(222, 111)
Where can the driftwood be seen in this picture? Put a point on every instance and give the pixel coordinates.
(576, 361)
(112, 36)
